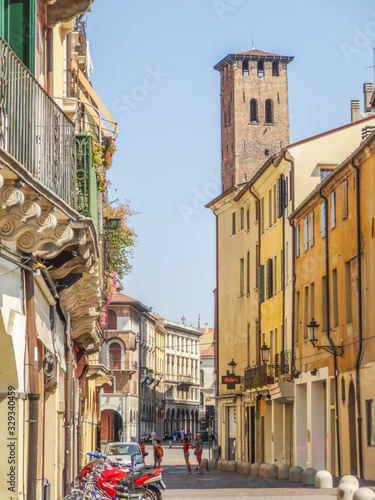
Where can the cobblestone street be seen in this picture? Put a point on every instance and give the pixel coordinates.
(230, 485)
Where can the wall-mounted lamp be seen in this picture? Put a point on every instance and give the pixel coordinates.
(314, 371)
(313, 329)
(296, 374)
(232, 367)
(265, 352)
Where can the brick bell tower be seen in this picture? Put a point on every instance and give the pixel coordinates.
(254, 112)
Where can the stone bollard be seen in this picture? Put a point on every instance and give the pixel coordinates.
(245, 469)
(232, 466)
(263, 470)
(346, 490)
(205, 463)
(323, 479)
(239, 465)
(349, 479)
(273, 471)
(284, 471)
(364, 494)
(212, 464)
(308, 476)
(254, 469)
(225, 465)
(295, 474)
(170, 444)
(219, 464)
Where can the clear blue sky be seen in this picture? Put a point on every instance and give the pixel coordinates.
(153, 63)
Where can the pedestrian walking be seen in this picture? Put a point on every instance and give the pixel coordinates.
(120, 435)
(198, 452)
(175, 435)
(158, 453)
(143, 450)
(153, 436)
(182, 432)
(178, 434)
(185, 448)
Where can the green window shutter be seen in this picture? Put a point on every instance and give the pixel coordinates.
(280, 196)
(261, 283)
(269, 280)
(18, 29)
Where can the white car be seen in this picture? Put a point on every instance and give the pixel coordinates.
(121, 453)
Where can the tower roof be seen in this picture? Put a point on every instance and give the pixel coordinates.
(252, 55)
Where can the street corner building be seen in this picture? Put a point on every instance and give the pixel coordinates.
(52, 265)
(280, 400)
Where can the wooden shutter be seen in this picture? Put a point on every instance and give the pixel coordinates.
(282, 269)
(269, 280)
(323, 220)
(344, 199)
(257, 203)
(280, 196)
(261, 282)
(305, 234)
(286, 192)
(332, 200)
(311, 229)
(297, 242)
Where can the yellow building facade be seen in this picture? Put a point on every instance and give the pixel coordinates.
(333, 395)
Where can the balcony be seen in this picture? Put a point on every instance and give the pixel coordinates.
(283, 363)
(184, 381)
(87, 183)
(33, 129)
(258, 377)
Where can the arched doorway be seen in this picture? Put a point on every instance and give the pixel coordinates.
(352, 430)
(168, 423)
(178, 420)
(110, 424)
(192, 423)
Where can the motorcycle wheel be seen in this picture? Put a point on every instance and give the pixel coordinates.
(147, 495)
(156, 492)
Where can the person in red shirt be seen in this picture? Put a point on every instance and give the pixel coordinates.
(185, 448)
(143, 449)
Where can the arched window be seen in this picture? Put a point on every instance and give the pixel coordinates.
(253, 111)
(269, 111)
(115, 356)
(112, 320)
(201, 402)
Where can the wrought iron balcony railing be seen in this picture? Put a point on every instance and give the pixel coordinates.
(87, 184)
(33, 129)
(283, 362)
(258, 376)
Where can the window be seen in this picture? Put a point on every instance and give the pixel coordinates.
(269, 111)
(114, 356)
(248, 273)
(233, 223)
(241, 277)
(253, 111)
(279, 202)
(335, 298)
(344, 199)
(201, 402)
(262, 216)
(324, 304)
(296, 319)
(282, 268)
(256, 265)
(275, 275)
(270, 208)
(248, 219)
(245, 67)
(311, 230)
(112, 320)
(306, 313)
(370, 422)
(274, 203)
(260, 68)
(323, 220)
(348, 292)
(305, 234)
(286, 263)
(242, 213)
(324, 172)
(312, 300)
(257, 210)
(275, 68)
(269, 282)
(297, 242)
(261, 283)
(286, 192)
(202, 376)
(332, 199)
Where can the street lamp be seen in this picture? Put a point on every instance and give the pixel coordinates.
(265, 352)
(312, 329)
(232, 367)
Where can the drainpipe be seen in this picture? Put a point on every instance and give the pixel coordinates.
(68, 421)
(34, 395)
(360, 321)
(216, 330)
(329, 337)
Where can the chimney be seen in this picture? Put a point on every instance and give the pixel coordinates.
(206, 328)
(368, 89)
(354, 108)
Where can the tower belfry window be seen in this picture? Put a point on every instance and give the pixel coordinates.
(253, 111)
(260, 68)
(269, 111)
(275, 68)
(245, 67)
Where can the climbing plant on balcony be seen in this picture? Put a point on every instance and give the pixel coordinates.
(102, 157)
